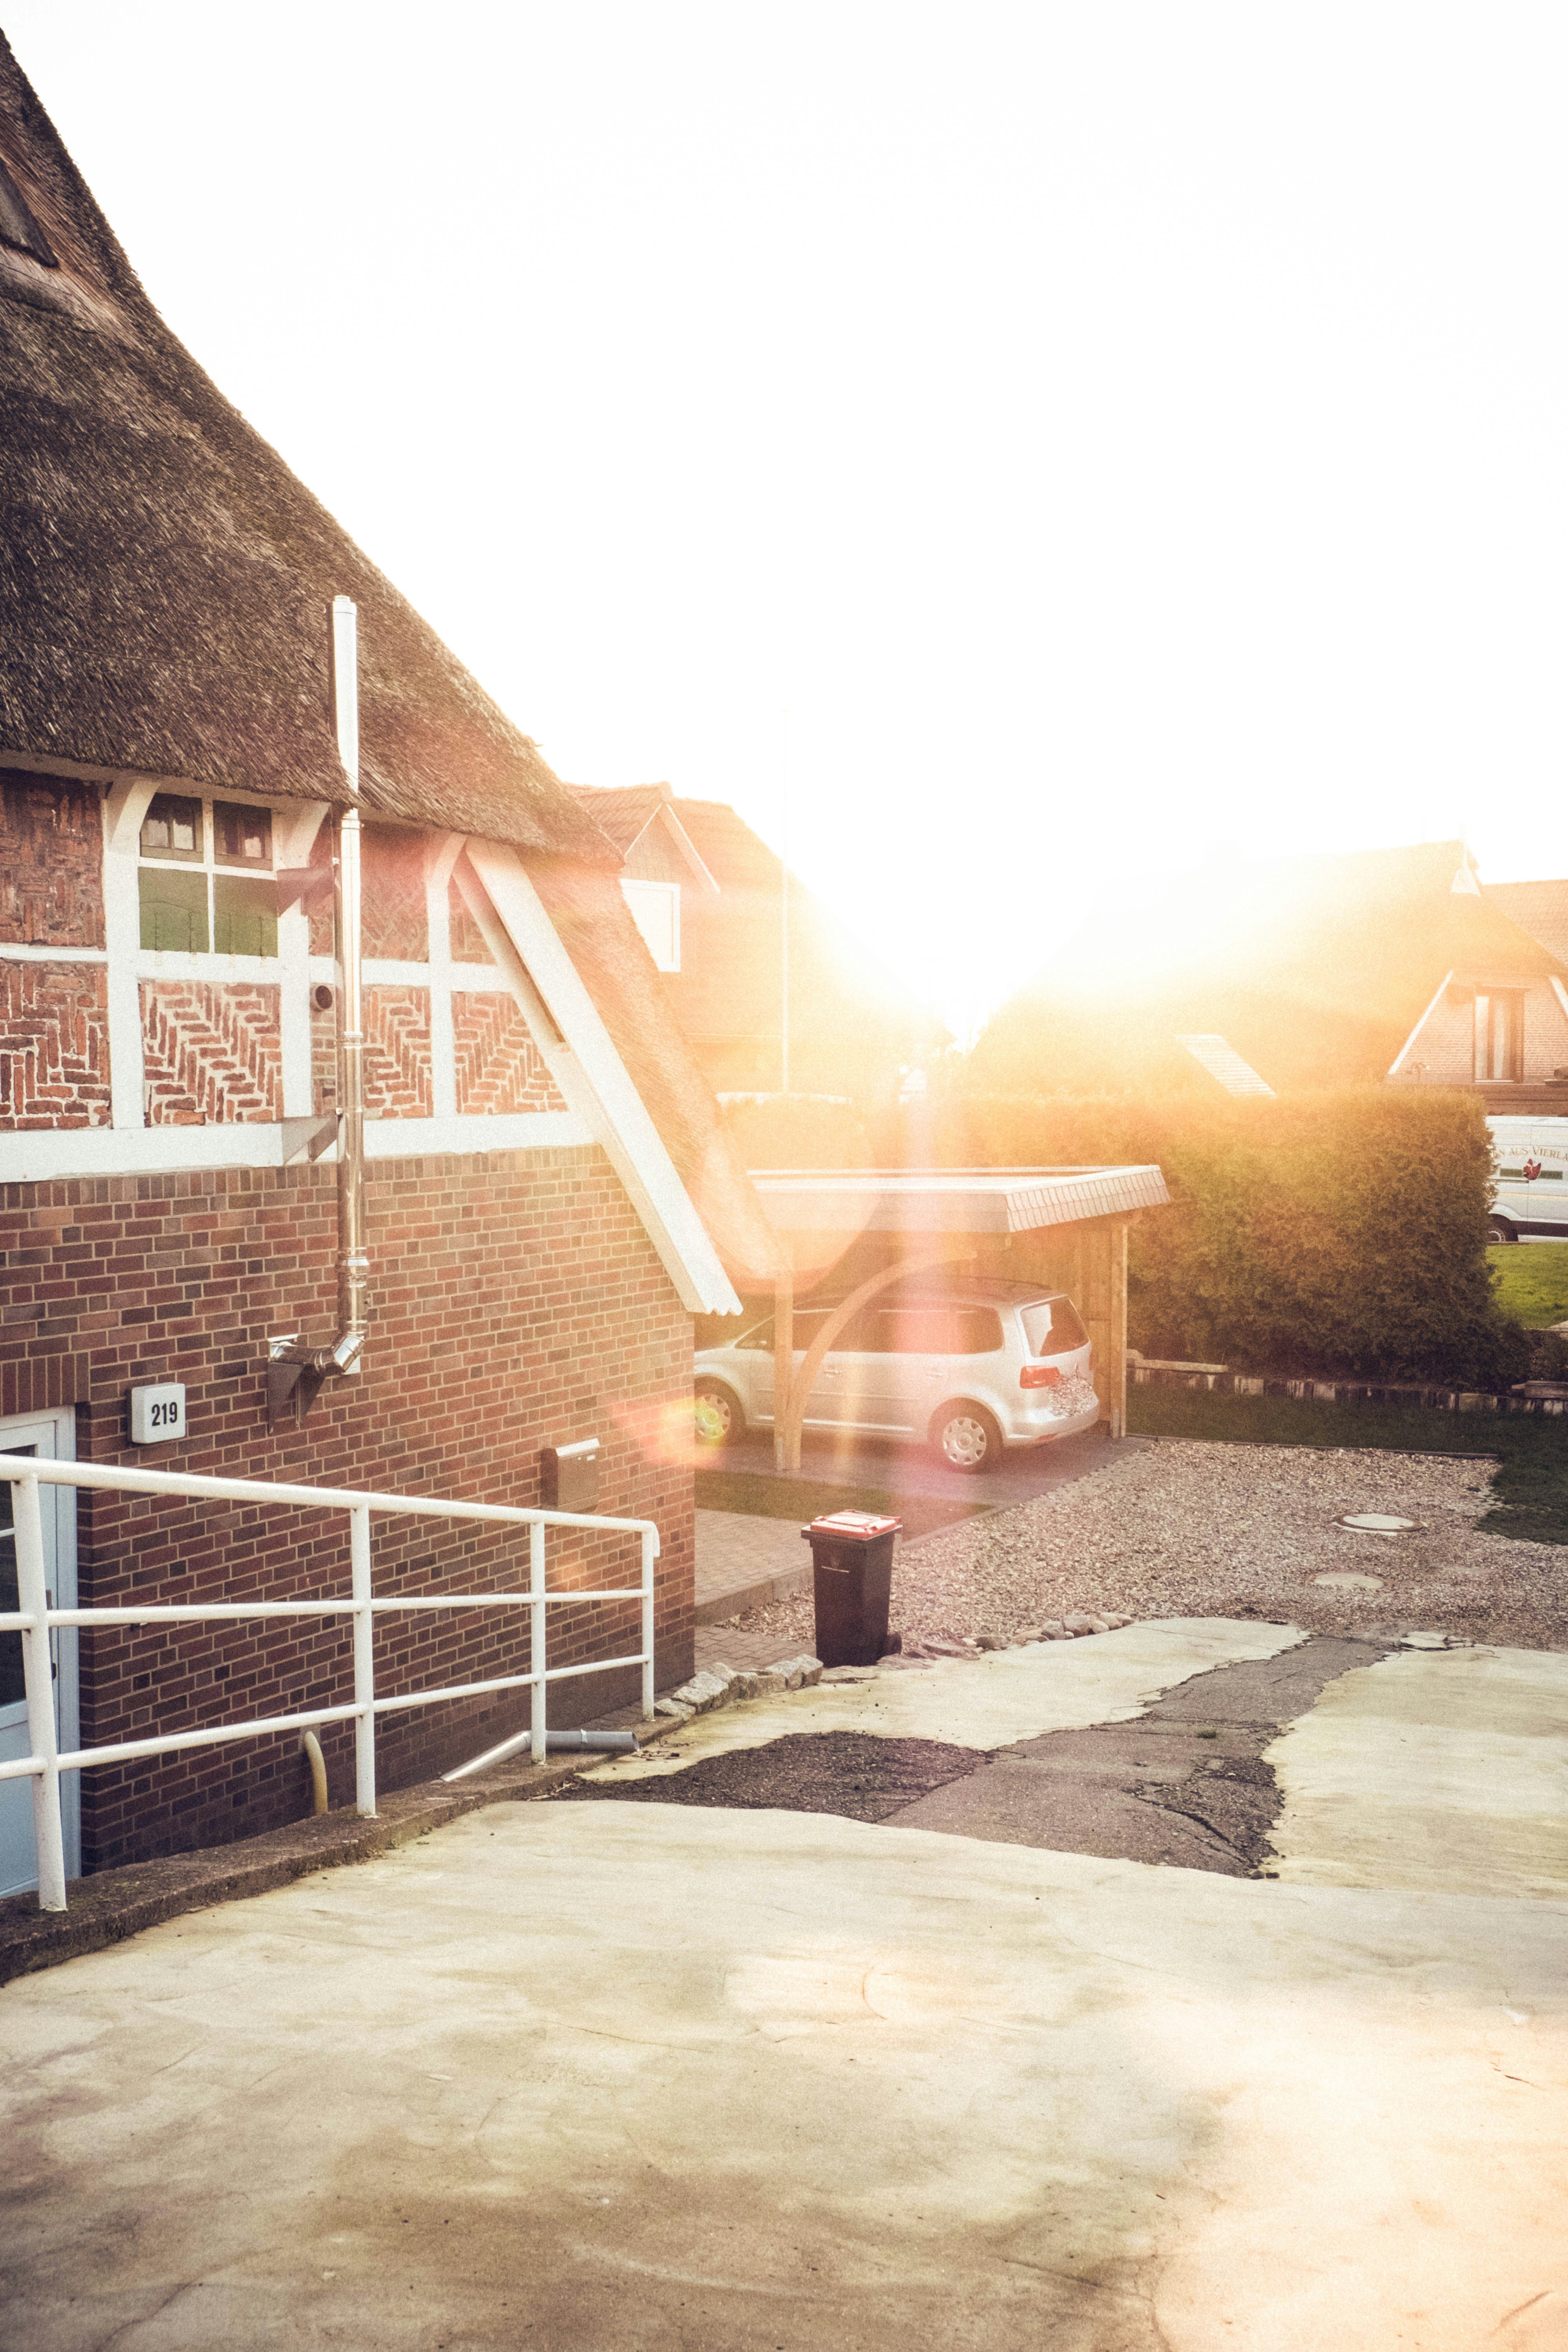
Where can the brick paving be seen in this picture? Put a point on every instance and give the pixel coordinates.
(744, 1562)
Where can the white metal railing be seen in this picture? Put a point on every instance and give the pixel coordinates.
(35, 1619)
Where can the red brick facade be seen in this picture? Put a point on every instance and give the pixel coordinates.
(211, 1051)
(51, 862)
(398, 1083)
(517, 1302)
(54, 1045)
(498, 1066)
(397, 1053)
(392, 915)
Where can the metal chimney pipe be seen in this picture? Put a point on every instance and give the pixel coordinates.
(354, 1263)
(295, 1372)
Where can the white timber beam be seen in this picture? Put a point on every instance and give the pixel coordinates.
(586, 1067)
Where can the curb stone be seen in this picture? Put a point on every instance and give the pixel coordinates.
(721, 1685)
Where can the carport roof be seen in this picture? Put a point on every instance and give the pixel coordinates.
(951, 1200)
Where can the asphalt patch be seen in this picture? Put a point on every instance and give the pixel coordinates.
(853, 1773)
(1183, 1785)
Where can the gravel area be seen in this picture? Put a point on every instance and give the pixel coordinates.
(1183, 1530)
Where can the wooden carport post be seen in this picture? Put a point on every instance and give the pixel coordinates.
(783, 1366)
(792, 1389)
(1105, 1313)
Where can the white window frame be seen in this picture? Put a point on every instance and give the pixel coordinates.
(293, 831)
(656, 911)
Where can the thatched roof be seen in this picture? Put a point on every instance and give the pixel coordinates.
(1315, 970)
(164, 578)
(164, 584)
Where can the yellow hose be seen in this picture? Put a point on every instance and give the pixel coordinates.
(312, 1749)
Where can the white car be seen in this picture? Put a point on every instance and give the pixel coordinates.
(1531, 1194)
(972, 1368)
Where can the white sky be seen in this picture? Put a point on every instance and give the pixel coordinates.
(1049, 443)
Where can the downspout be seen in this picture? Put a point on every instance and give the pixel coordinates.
(293, 1367)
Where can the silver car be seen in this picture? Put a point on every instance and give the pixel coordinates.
(971, 1368)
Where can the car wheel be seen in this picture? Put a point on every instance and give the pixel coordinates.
(718, 1415)
(1499, 1230)
(966, 1438)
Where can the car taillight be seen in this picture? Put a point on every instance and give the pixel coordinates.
(1038, 1376)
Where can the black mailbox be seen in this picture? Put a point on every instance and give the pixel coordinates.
(569, 1476)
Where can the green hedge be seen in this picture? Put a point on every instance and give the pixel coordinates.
(1340, 1232)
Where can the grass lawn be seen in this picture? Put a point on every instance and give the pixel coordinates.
(1532, 1281)
(753, 1492)
(1530, 1495)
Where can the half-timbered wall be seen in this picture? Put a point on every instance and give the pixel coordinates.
(104, 1023)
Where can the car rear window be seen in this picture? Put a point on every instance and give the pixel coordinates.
(1052, 1326)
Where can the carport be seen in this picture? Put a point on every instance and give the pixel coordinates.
(1064, 1228)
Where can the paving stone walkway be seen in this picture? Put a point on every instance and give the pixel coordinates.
(743, 1562)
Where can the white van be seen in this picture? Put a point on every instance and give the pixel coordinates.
(1530, 1198)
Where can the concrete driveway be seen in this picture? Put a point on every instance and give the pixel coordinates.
(645, 2075)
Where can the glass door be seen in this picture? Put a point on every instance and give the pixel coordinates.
(49, 1437)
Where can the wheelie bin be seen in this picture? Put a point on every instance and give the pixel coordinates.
(852, 1578)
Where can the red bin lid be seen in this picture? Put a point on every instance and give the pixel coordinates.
(859, 1525)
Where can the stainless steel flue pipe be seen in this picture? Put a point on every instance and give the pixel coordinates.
(287, 1350)
(353, 1262)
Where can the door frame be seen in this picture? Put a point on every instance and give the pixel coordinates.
(59, 1423)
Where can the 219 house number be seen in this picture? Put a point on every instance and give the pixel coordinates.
(158, 1414)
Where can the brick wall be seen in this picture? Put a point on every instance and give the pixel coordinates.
(498, 1066)
(517, 1302)
(392, 906)
(397, 1081)
(211, 1051)
(54, 1044)
(51, 862)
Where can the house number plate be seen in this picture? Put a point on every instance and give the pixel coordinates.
(158, 1413)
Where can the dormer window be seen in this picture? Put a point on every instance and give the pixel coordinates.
(656, 911)
(18, 228)
(190, 905)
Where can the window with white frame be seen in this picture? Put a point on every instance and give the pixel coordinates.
(205, 878)
(656, 911)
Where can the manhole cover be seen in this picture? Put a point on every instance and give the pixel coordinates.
(1378, 1523)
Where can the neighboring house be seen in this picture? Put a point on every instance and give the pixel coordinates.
(1305, 973)
(711, 899)
(550, 1194)
(1539, 907)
